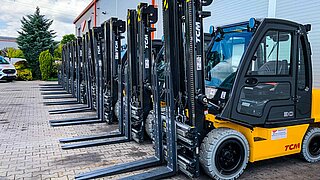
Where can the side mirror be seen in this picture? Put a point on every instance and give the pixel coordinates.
(254, 58)
(206, 2)
(308, 27)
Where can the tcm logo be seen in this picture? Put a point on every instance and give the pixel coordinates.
(292, 147)
(198, 32)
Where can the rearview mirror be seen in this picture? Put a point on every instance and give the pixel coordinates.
(282, 37)
(206, 2)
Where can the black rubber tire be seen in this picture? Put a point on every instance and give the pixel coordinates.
(149, 125)
(311, 154)
(213, 143)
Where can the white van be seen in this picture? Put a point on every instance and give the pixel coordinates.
(7, 70)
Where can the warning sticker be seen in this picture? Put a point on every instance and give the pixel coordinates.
(146, 64)
(199, 63)
(279, 134)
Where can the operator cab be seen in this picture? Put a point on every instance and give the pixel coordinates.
(259, 73)
(227, 46)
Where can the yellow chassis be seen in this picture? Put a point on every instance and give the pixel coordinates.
(266, 143)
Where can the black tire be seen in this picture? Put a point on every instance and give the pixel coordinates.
(224, 153)
(311, 145)
(149, 125)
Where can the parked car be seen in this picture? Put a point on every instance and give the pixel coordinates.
(7, 70)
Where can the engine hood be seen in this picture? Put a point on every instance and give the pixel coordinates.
(7, 66)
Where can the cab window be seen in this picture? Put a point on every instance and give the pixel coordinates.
(273, 55)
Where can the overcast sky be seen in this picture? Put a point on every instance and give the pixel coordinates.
(63, 12)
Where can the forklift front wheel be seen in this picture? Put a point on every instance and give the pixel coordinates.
(117, 109)
(224, 153)
(149, 125)
(311, 145)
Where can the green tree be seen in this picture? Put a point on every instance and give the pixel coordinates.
(46, 61)
(14, 53)
(35, 37)
(18, 54)
(68, 38)
(58, 52)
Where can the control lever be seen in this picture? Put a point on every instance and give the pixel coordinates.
(216, 106)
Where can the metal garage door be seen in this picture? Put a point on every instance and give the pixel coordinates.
(231, 11)
(305, 12)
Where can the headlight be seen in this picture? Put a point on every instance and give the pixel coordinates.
(210, 92)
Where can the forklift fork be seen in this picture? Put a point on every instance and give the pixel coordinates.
(51, 89)
(60, 103)
(54, 93)
(58, 97)
(120, 168)
(71, 110)
(123, 135)
(157, 160)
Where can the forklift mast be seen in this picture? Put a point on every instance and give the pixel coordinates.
(146, 15)
(97, 56)
(85, 71)
(88, 58)
(73, 69)
(62, 67)
(113, 29)
(132, 45)
(185, 90)
(79, 66)
(70, 66)
(67, 67)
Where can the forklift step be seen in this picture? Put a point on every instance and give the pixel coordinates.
(96, 143)
(91, 137)
(120, 168)
(76, 123)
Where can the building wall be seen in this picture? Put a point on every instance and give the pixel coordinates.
(305, 12)
(87, 17)
(7, 44)
(116, 8)
(227, 12)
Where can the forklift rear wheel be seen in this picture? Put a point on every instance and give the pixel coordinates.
(149, 125)
(224, 153)
(311, 145)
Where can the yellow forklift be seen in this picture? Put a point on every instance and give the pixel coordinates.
(249, 98)
(261, 103)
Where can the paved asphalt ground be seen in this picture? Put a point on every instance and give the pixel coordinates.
(29, 147)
